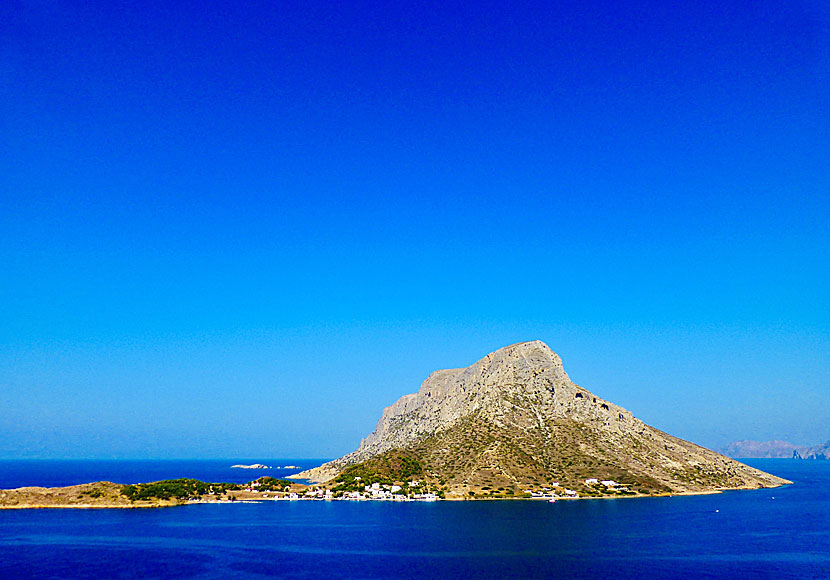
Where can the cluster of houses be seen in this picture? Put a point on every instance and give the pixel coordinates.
(609, 484)
(374, 491)
(378, 491)
(393, 492)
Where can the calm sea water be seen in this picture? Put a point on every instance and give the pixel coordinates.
(732, 535)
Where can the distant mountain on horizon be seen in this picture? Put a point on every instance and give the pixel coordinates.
(514, 421)
(747, 449)
(776, 449)
(821, 451)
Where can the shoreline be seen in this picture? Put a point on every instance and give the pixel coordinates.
(260, 499)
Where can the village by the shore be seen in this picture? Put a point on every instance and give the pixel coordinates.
(110, 495)
(410, 492)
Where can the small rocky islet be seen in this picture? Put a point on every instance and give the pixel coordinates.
(512, 425)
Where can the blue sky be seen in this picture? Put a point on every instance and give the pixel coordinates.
(241, 231)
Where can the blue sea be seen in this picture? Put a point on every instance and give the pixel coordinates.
(781, 533)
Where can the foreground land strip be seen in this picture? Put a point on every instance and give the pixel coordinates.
(177, 492)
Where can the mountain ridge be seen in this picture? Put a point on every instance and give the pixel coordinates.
(749, 449)
(776, 449)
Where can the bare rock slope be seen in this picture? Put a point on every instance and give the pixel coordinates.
(514, 420)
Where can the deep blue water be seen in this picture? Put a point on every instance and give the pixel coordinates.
(751, 535)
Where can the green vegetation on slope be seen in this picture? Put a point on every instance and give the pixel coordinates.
(180, 489)
(476, 458)
(391, 467)
(268, 483)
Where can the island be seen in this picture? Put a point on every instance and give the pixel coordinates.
(511, 426)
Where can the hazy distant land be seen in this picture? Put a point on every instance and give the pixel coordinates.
(775, 450)
(106, 494)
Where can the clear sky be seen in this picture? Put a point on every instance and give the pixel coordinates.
(242, 229)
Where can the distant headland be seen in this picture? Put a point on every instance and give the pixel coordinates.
(776, 450)
(171, 492)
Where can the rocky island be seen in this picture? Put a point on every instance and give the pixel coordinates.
(513, 424)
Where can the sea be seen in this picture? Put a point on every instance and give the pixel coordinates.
(774, 533)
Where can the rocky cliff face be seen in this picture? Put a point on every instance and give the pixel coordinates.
(818, 452)
(514, 418)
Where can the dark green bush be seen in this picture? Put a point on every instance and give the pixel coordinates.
(179, 489)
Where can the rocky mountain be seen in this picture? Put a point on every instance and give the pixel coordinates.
(817, 452)
(514, 420)
(762, 449)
